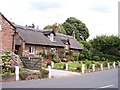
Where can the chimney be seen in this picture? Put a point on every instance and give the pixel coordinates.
(55, 28)
(73, 34)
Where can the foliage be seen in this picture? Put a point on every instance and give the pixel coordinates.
(88, 64)
(79, 67)
(23, 74)
(97, 65)
(81, 56)
(59, 65)
(72, 66)
(76, 56)
(73, 24)
(9, 61)
(107, 44)
(96, 58)
(60, 28)
(86, 44)
(7, 75)
(44, 73)
(56, 59)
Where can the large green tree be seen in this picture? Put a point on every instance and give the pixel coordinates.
(107, 44)
(60, 28)
(73, 24)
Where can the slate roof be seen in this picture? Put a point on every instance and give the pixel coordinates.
(34, 36)
(74, 44)
(31, 36)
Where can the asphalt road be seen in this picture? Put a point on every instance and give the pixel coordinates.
(101, 79)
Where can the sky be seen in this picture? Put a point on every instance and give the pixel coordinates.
(100, 16)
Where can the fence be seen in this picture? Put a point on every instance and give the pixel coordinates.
(32, 62)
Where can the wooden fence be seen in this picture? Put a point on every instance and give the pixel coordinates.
(34, 63)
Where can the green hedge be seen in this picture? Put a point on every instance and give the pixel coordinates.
(59, 65)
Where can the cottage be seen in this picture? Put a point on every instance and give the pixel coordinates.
(30, 41)
(7, 33)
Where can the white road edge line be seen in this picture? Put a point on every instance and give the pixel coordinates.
(106, 86)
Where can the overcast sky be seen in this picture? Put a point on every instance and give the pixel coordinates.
(100, 16)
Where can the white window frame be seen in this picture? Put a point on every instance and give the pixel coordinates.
(52, 37)
(31, 50)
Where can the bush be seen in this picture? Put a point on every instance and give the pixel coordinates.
(97, 64)
(43, 73)
(44, 65)
(23, 74)
(76, 56)
(105, 64)
(88, 64)
(72, 66)
(59, 66)
(81, 56)
(79, 67)
(7, 75)
(56, 59)
(96, 58)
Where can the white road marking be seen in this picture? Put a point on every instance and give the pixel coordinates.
(103, 87)
(106, 86)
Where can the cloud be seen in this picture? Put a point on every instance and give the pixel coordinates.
(100, 16)
(45, 5)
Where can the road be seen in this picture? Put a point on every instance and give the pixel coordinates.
(101, 79)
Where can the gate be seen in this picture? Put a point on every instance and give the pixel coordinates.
(34, 63)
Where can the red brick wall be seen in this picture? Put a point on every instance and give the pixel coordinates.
(39, 48)
(6, 37)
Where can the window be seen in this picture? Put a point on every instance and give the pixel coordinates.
(51, 37)
(32, 50)
(66, 45)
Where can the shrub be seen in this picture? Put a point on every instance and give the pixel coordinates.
(82, 56)
(88, 64)
(97, 64)
(56, 59)
(75, 56)
(23, 74)
(43, 73)
(79, 67)
(96, 58)
(105, 64)
(44, 65)
(72, 66)
(7, 75)
(59, 65)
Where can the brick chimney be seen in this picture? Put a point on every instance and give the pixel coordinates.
(73, 34)
(55, 28)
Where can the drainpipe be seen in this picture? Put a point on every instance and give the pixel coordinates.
(13, 43)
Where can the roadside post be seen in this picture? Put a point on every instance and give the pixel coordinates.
(17, 72)
(101, 65)
(114, 64)
(108, 66)
(52, 64)
(66, 66)
(119, 64)
(49, 69)
(93, 67)
(83, 68)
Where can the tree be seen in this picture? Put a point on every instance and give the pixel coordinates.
(107, 44)
(87, 47)
(60, 28)
(73, 24)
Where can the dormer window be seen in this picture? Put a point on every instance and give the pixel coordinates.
(52, 37)
(66, 46)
